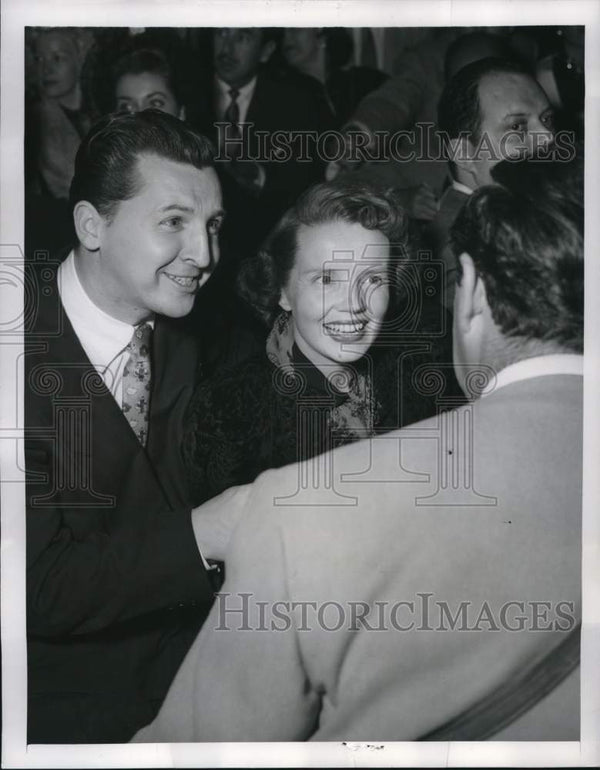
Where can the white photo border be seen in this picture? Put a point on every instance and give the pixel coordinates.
(16, 15)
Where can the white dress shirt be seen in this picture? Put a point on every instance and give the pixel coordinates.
(223, 98)
(463, 188)
(103, 338)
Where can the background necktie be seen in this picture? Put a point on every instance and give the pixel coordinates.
(232, 116)
(232, 113)
(136, 382)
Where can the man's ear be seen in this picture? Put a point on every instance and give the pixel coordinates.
(267, 51)
(284, 302)
(89, 225)
(470, 299)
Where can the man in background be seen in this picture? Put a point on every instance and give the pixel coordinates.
(491, 110)
(243, 101)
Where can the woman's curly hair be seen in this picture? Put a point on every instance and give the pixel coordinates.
(262, 278)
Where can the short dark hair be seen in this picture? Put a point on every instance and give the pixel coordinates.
(106, 162)
(150, 60)
(467, 48)
(525, 236)
(262, 278)
(459, 108)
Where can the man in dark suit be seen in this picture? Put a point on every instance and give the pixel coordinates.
(118, 577)
(250, 112)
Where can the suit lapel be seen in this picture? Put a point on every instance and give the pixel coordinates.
(260, 105)
(60, 376)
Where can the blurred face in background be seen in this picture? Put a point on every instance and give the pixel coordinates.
(337, 291)
(143, 90)
(238, 53)
(58, 68)
(301, 45)
(516, 120)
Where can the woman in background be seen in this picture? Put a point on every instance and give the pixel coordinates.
(145, 79)
(61, 117)
(331, 279)
(55, 121)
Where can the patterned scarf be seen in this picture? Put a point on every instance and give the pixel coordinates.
(356, 416)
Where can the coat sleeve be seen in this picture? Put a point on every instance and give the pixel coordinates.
(236, 663)
(137, 558)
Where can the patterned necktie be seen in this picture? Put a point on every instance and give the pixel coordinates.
(136, 382)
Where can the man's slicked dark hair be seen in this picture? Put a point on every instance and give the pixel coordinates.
(525, 236)
(459, 109)
(105, 166)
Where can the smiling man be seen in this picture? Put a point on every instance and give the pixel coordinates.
(118, 582)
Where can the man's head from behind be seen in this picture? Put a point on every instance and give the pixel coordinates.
(147, 209)
(520, 250)
(492, 110)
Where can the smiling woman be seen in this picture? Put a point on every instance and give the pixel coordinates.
(331, 283)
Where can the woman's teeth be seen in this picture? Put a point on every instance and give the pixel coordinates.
(345, 328)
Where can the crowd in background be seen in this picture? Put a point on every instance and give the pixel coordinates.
(311, 80)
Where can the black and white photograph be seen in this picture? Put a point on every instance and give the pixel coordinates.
(298, 383)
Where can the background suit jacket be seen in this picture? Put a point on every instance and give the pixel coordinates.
(116, 589)
(427, 533)
(277, 105)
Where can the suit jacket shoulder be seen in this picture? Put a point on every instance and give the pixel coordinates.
(282, 105)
